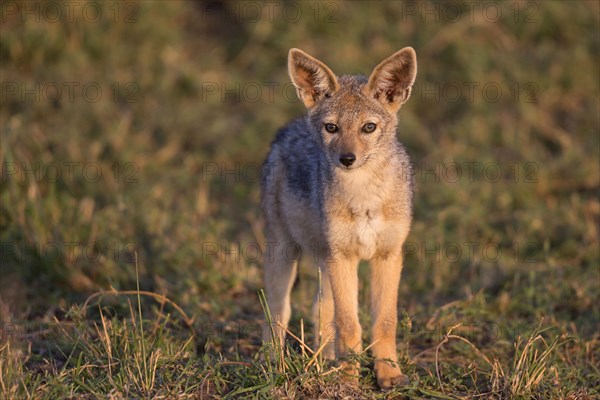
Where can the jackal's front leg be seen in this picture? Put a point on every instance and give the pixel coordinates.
(385, 278)
(343, 277)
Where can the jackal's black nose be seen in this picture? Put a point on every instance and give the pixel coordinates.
(347, 159)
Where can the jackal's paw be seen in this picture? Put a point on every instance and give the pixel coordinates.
(350, 372)
(389, 375)
(329, 352)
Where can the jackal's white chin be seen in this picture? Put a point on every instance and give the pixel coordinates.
(349, 169)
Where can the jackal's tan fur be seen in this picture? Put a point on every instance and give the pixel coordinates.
(338, 184)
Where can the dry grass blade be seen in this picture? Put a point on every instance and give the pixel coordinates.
(530, 365)
(447, 337)
(158, 297)
(303, 345)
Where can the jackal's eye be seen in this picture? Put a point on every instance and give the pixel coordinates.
(369, 127)
(331, 128)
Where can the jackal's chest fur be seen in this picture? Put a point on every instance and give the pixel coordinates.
(361, 221)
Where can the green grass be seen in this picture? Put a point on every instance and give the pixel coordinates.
(134, 273)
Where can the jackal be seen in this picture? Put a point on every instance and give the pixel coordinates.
(337, 184)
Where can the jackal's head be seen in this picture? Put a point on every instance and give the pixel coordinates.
(355, 116)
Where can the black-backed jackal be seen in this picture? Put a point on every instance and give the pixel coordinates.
(338, 184)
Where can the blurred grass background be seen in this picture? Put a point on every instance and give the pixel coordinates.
(178, 105)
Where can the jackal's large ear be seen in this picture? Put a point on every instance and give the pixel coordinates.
(313, 79)
(391, 81)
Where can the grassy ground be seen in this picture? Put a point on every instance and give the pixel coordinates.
(130, 231)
